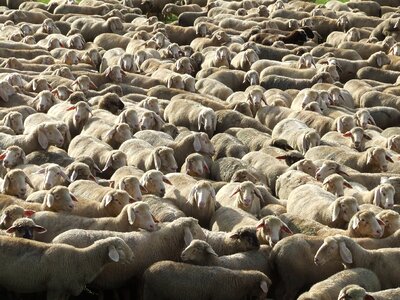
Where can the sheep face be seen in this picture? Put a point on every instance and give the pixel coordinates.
(15, 80)
(384, 196)
(196, 166)
(243, 175)
(393, 143)
(208, 120)
(345, 123)
(59, 199)
(118, 134)
(70, 58)
(206, 147)
(12, 157)
(328, 168)
(310, 139)
(366, 224)
(358, 137)
(92, 57)
(391, 220)
(271, 228)
(252, 77)
(115, 73)
(334, 184)
(44, 100)
(164, 160)
(202, 195)
(247, 193)
(308, 167)
(150, 120)
(345, 208)
(363, 118)
(150, 103)
(197, 252)
(6, 91)
(130, 117)
(175, 81)
(190, 83)
(354, 292)
(81, 115)
(76, 41)
(78, 170)
(126, 63)
(333, 248)
(139, 214)
(131, 185)
(14, 183)
(153, 182)
(114, 201)
(184, 66)
(378, 158)
(12, 213)
(83, 83)
(53, 175)
(24, 228)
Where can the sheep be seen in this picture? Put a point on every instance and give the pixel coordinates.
(348, 252)
(218, 38)
(122, 180)
(132, 217)
(243, 60)
(357, 135)
(128, 116)
(195, 165)
(24, 228)
(13, 120)
(247, 283)
(12, 213)
(195, 117)
(146, 157)
(229, 118)
(391, 219)
(331, 287)
(382, 196)
(163, 210)
(373, 159)
(228, 146)
(297, 133)
(285, 83)
(57, 199)
(194, 198)
(175, 236)
(14, 183)
(283, 258)
(39, 138)
(245, 199)
(54, 271)
(356, 292)
(107, 159)
(239, 240)
(331, 212)
(201, 253)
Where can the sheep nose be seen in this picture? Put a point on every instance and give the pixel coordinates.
(47, 186)
(23, 191)
(384, 168)
(389, 205)
(142, 127)
(162, 191)
(41, 107)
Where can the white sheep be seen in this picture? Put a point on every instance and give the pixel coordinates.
(356, 292)
(132, 217)
(11, 213)
(54, 270)
(345, 250)
(321, 206)
(248, 196)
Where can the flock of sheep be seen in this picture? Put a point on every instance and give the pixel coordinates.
(247, 150)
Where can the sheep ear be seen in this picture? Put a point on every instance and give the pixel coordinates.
(7, 121)
(264, 286)
(73, 176)
(286, 229)
(29, 182)
(6, 184)
(369, 156)
(355, 222)
(42, 138)
(122, 185)
(196, 143)
(367, 137)
(336, 211)
(192, 195)
(157, 160)
(305, 144)
(345, 253)
(113, 253)
(143, 189)
(108, 163)
(3, 218)
(379, 61)
(160, 122)
(346, 184)
(235, 191)
(199, 121)
(259, 195)
(49, 200)
(107, 199)
(339, 125)
(380, 222)
(3, 155)
(347, 134)
(39, 229)
(388, 158)
(211, 251)
(166, 180)
(377, 197)
(131, 215)
(110, 133)
(188, 237)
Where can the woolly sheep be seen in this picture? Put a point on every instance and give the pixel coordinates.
(356, 292)
(330, 287)
(12, 213)
(322, 206)
(132, 217)
(53, 268)
(247, 283)
(347, 251)
(175, 236)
